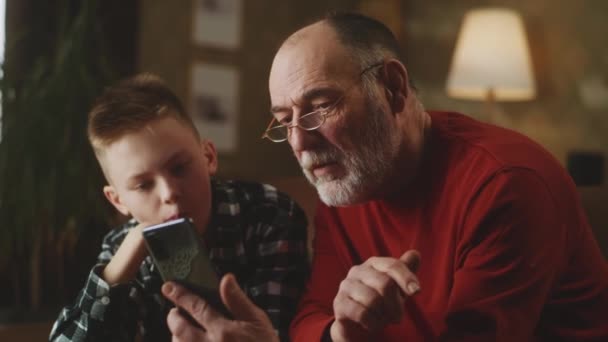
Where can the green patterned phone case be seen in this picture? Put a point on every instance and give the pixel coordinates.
(179, 254)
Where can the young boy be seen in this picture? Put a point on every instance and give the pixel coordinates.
(158, 168)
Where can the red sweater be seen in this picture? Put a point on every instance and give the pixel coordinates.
(507, 253)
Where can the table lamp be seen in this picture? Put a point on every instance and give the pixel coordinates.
(491, 60)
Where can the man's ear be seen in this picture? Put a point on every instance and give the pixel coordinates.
(395, 79)
(210, 155)
(114, 198)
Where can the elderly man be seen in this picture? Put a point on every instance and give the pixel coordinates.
(507, 252)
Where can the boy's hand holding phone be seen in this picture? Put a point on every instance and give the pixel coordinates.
(250, 322)
(129, 256)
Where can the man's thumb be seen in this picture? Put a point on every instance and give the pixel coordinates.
(411, 259)
(237, 301)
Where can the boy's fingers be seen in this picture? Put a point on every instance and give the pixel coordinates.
(197, 307)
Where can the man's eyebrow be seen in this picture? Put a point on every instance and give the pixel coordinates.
(307, 96)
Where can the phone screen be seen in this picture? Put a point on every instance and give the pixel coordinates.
(179, 255)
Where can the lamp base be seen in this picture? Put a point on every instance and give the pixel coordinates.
(492, 111)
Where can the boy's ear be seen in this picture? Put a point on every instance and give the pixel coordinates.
(114, 198)
(210, 155)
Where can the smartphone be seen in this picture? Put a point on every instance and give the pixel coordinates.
(179, 255)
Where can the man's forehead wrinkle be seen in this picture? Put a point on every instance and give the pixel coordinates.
(300, 80)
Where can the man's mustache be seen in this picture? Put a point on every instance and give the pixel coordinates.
(309, 160)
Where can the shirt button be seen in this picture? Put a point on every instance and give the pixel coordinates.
(105, 300)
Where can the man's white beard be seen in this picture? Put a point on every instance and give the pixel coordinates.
(366, 168)
(333, 191)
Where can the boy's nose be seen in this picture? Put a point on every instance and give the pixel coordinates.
(170, 191)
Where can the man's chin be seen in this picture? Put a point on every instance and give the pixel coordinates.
(334, 193)
(331, 189)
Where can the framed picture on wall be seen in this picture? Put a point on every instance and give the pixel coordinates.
(217, 23)
(214, 104)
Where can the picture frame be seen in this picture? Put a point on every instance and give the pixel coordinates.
(217, 23)
(214, 102)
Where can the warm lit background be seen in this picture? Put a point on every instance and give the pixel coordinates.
(568, 114)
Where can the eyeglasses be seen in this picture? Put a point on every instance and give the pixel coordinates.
(309, 121)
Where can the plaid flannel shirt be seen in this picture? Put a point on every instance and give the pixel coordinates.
(255, 232)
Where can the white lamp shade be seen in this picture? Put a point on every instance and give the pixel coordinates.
(491, 55)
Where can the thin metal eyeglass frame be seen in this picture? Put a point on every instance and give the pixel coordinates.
(322, 112)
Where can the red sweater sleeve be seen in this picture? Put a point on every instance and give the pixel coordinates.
(316, 307)
(512, 247)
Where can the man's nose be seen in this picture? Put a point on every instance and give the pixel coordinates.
(302, 140)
